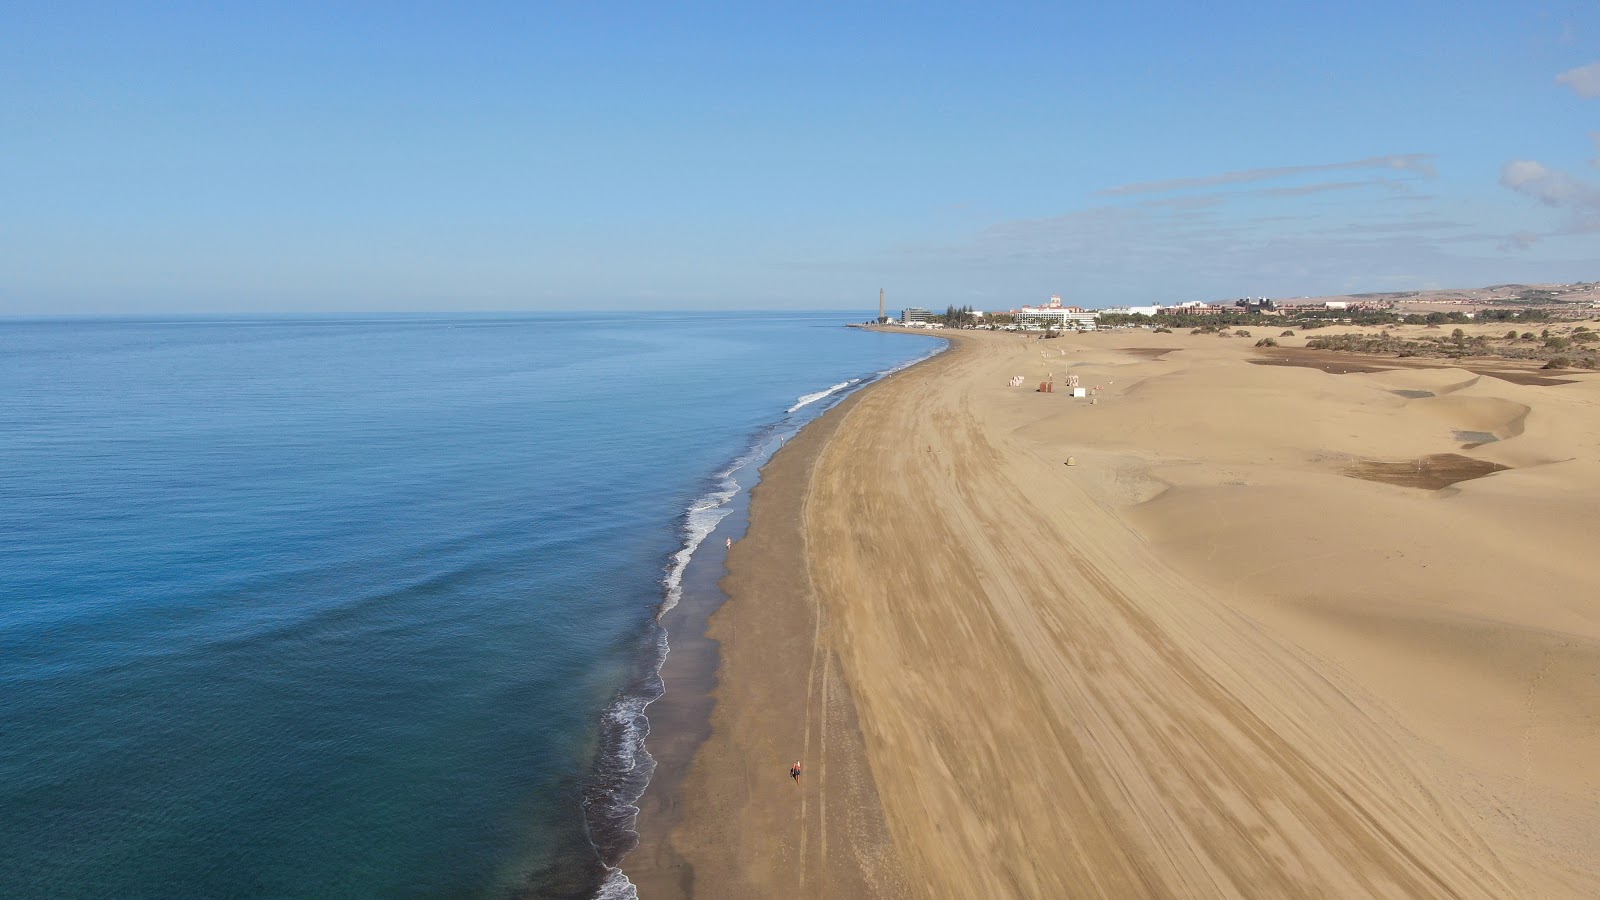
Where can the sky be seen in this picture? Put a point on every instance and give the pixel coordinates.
(327, 157)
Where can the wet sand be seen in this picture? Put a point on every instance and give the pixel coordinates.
(731, 823)
(1204, 660)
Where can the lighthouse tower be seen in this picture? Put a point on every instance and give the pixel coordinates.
(882, 317)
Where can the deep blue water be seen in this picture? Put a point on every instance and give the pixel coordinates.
(336, 606)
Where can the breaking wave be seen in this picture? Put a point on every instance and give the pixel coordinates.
(808, 399)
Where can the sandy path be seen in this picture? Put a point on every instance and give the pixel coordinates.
(1011, 677)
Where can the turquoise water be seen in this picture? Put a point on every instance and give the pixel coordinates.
(338, 606)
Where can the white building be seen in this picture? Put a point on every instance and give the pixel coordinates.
(1132, 311)
(915, 314)
(1063, 317)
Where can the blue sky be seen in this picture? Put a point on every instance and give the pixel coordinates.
(222, 158)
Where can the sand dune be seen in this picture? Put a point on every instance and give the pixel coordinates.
(1211, 658)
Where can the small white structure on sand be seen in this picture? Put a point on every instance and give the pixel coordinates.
(1079, 392)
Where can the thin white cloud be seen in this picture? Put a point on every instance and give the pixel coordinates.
(1420, 163)
(1301, 190)
(1401, 227)
(1585, 80)
(1520, 240)
(1193, 201)
(1557, 189)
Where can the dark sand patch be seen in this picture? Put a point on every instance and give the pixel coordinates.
(1518, 375)
(1342, 364)
(1338, 362)
(1471, 439)
(1430, 473)
(1415, 395)
(1148, 352)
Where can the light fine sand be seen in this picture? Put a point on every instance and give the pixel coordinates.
(1206, 660)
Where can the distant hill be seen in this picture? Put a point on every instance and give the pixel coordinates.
(1586, 293)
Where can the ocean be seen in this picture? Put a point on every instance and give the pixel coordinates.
(362, 606)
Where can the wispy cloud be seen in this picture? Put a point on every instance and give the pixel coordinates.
(1557, 189)
(1193, 201)
(1585, 80)
(1145, 251)
(1302, 190)
(1520, 240)
(1403, 227)
(1419, 163)
(1124, 249)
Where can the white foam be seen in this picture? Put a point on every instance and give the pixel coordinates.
(617, 887)
(808, 399)
(701, 519)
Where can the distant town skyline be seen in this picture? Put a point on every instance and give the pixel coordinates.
(314, 158)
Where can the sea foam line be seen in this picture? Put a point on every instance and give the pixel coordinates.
(627, 767)
(808, 399)
(700, 519)
(616, 887)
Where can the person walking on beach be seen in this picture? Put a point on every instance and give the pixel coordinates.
(794, 771)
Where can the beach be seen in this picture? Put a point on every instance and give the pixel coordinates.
(1256, 639)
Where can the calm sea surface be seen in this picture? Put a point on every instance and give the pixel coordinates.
(337, 606)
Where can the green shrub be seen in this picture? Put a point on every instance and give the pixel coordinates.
(1558, 362)
(1287, 334)
(1266, 342)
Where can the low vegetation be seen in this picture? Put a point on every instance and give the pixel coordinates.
(1559, 351)
(1319, 318)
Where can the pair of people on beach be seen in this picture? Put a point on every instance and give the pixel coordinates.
(794, 771)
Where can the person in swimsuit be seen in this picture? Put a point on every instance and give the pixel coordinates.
(794, 771)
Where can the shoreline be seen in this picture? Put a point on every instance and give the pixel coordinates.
(682, 720)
